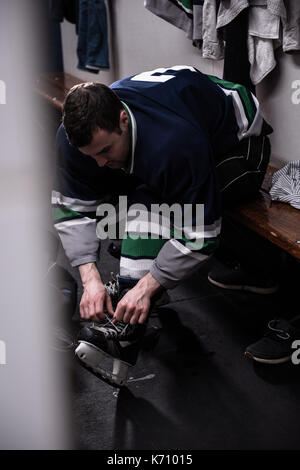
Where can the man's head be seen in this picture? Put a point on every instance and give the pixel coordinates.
(97, 124)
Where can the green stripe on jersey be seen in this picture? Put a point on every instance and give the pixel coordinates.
(187, 4)
(146, 247)
(63, 212)
(242, 91)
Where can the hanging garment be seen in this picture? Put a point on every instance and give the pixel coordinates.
(92, 46)
(64, 9)
(291, 27)
(272, 23)
(286, 184)
(213, 44)
(264, 29)
(236, 63)
(184, 14)
(229, 10)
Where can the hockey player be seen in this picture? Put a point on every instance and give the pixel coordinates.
(167, 136)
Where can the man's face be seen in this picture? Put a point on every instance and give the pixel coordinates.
(110, 148)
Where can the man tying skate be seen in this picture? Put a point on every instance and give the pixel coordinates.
(168, 136)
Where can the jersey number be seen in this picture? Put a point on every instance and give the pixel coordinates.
(150, 77)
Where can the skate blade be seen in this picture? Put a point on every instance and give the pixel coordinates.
(109, 369)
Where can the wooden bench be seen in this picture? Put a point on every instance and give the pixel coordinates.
(53, 87)
(277, 222)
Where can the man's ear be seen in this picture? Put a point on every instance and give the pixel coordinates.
(124, 120)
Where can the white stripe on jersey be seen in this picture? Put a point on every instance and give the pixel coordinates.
(78, 205)
(186, 251)
(245, 129)
(134, 268)
(63, 226)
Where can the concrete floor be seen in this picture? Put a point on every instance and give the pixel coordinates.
(194, 389)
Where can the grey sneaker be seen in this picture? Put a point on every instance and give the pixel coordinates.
(275, 346)
(235, 278)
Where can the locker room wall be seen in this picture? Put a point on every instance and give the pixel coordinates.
(279, 94)
(142, 41)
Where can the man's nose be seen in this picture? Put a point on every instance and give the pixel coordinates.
(101, 161)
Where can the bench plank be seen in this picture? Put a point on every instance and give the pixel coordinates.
(54, 86)
(276, 221)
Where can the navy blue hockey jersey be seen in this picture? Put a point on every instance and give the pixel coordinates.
(182, 122)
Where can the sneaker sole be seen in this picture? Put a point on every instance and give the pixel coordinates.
(267, 361)
(256, 290)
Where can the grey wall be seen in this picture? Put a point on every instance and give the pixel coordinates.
(281, 107)
(141, 41)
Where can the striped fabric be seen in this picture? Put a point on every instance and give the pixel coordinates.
(137, 256)
(75, 219)
(286, 184)
(153, 245)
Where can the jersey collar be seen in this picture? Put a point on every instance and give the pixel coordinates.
(133, 136)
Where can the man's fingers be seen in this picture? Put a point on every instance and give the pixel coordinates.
(130, 311)
(140, 316)
(84, 310)
(134, 318)
(109, 306)
(143, 316)
(91, 310)
(133, 315)
(119, 313)
(99, 309)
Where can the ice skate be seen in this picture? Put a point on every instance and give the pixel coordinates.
(108, 349)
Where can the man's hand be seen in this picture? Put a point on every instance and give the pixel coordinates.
(95, 297)
(134, 306)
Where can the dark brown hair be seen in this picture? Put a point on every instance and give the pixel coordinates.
(88, 106)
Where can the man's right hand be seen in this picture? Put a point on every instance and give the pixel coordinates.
(95, 297)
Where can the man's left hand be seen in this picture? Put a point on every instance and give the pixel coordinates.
(134, 306)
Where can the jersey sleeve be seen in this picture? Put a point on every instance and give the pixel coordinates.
(195, 241)
(74, 203)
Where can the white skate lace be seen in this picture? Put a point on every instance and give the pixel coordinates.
(112, 330)
(112, 286)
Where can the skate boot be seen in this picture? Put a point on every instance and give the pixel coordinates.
(108, 349)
